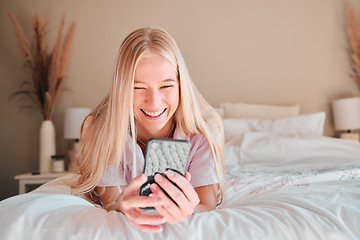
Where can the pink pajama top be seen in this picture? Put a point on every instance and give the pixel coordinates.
(201, 164)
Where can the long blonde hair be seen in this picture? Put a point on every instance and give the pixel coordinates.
(105, 140)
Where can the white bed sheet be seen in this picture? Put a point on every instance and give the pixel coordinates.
(267, 199)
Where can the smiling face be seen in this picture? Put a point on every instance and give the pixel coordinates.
(156, 96)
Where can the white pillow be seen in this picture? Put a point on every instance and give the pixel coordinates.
(259, 111)
(306, 124)
(307, 151)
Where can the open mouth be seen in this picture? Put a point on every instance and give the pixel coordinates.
(153, 114)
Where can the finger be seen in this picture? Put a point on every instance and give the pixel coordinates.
(184, 206)
(184, 185)
(136, 183)
(174, 192)
(179, 211)
(143, 219)
(169, 209)
(147, 228)
(160, 209)
(170, 215)
(142, 201)
(167, 215)
(188, 176)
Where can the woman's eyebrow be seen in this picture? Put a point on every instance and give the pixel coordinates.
(165, 80)
(169, 80)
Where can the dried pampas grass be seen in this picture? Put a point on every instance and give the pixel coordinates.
(354, 37)
(46, 70)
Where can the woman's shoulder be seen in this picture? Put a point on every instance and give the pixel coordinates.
(215, 135)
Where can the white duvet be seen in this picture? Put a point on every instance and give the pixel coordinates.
(276, 188)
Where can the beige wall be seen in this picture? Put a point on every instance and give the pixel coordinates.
(275, 52)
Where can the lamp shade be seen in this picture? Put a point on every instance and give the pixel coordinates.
(72, 122)
(346, 114)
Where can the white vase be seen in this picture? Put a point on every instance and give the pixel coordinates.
(47, 145)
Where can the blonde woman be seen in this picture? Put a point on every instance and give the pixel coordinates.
(151, 96)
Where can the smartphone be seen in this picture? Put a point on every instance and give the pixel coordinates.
(162, 155)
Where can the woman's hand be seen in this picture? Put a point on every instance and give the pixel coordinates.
(129, 203)
(186, 198)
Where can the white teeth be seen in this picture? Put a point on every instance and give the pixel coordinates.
(153, 114)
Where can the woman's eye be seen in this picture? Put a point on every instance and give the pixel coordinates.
(139, 88)
(167, 86)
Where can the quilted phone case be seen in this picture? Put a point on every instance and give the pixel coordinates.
(162, 155)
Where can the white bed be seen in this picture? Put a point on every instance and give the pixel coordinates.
(279, 185)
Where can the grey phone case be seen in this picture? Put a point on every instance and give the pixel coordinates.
(164, 154)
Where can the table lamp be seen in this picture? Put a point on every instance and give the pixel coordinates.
(346, 113)
(73, 120)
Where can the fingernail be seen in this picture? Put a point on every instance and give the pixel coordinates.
(158, 177)
(170, 173)
(153, 187)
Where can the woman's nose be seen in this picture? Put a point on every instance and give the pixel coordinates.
(153, 98)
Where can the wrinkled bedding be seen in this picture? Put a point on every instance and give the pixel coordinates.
(276, 188)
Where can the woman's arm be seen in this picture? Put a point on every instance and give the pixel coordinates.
(109, 197)
(208, 198)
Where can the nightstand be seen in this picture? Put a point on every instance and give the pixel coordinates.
(36, 179)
